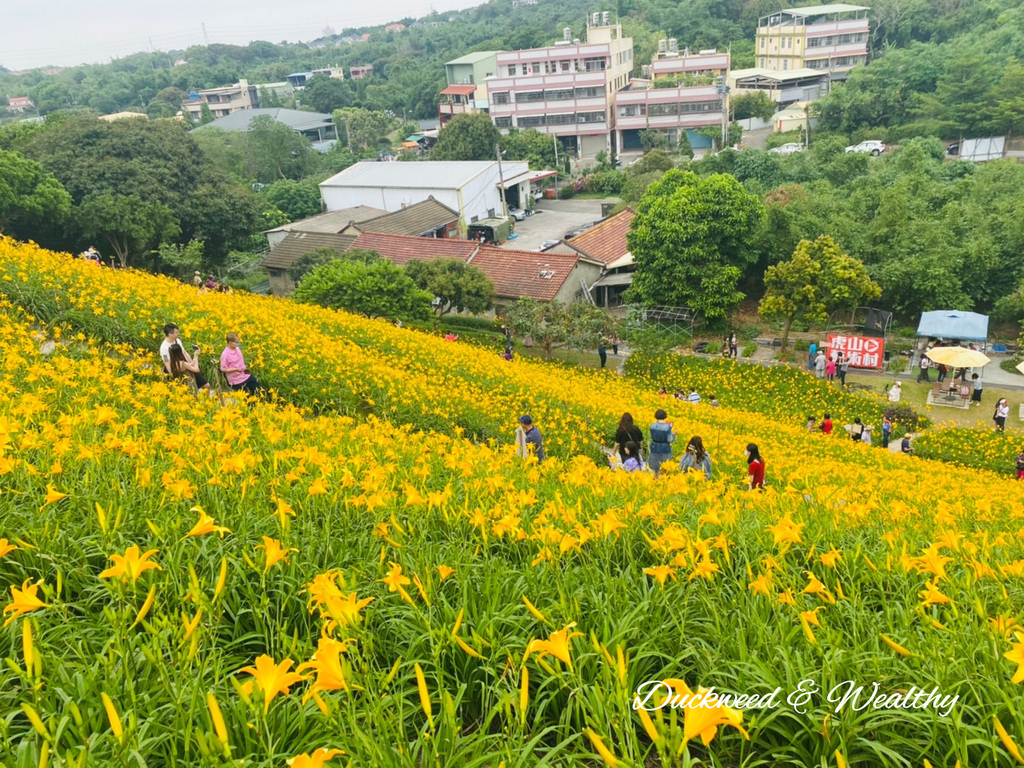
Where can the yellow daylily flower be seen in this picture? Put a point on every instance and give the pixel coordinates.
(274, 552)
(131, 565)
(270, 678)
(23, 601)
(315, 759)
(557, 645)
(205, 525)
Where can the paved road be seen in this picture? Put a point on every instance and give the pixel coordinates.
(557, 218)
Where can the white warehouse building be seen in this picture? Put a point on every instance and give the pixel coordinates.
(471, 188)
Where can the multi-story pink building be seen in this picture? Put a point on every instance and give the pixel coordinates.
(566, 90)
(684, 93)
(828, 38)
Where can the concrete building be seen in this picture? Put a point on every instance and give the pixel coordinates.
(358, 73)
(19, 103)
(784, 88)
(828, 38)
(683, 94)
(467, 85)
(315, 126)
(222, 101)
(566, 90)
(297, 80)
(473, 189)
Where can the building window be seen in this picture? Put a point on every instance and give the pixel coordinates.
(817, 64)
(762, 62)
(503, 122)
(564, 119)
(588, 93)
(523, 97)
(692, 107)
(565, 65)
(560, 94)
(590, 117)
(595, 64)
(500, 97)
(511, 70)
(474, 219)
(490, 213)
(531, 121)
(785, 63)
(661, 110)
(632, 110)
(762, 45)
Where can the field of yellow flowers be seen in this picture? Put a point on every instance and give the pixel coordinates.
(343, 577)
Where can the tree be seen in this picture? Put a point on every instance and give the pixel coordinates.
(691, 239)
(326, 94)
(310, 261)
(367, 285)
(363, 128)
(818, 278)
(539, 320)
(181, 260)
(131, 225)
(296, 199)
(28, 193)
(584, 325)
(456, 285)
(275, 151)
(205, 114)
(756, 104)
(466, 137)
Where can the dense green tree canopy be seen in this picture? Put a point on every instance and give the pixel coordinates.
(467, 137)
(27, 194)
(456, 285)
(367, 285)
(692, 238)
(817, 279)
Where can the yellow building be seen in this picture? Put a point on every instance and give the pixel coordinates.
(826, 38)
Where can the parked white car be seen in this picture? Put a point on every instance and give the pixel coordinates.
(870, 147)
(517, 213)
(788, 149)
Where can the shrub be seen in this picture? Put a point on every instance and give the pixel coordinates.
(566, 192)
(749, 349)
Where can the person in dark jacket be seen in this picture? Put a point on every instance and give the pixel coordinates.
(627, 431)
(527, 434)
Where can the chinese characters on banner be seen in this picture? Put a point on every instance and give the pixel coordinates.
(863, 351)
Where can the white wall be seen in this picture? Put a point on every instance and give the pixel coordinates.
(476, 197)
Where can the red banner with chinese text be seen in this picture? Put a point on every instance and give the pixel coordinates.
(863, 351)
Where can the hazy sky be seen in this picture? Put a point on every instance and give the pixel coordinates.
(65, 32)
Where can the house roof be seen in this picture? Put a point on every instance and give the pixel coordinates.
(518, 273)
(401, 249)
(417, 219)
(459, 90)
(473, 58)
(428, 174)
(819, 10)
(332, 222)
(295, 119)
(605, 242)
(778, 75)
(297, 244)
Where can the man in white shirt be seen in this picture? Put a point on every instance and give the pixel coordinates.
(171, 335)
(693, 397)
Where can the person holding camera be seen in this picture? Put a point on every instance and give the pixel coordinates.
(183, 366)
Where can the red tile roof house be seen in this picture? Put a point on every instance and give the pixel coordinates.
(606, 243)
(561, 277)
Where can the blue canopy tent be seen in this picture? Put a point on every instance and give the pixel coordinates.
(952, 324)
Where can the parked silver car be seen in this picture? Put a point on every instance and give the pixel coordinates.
(870, 147)
(788, 149)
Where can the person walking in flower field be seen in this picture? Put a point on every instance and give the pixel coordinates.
(632, 462)
(662, 438)
(755, 467)
(527, 434)
(1020, 465)
(232, 365)
(1000, 414)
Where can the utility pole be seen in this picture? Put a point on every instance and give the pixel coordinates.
(206, 37)
(501, 182)
(723, 89)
